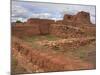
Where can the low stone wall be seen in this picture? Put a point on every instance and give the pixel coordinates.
(67, 44)
(66, 31)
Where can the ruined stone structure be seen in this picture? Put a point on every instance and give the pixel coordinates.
(71, 26)
(32, 27)
(78, 25)
(68, 19)
(65, 31)
(21, 30)
(37, 21)
(82, 18)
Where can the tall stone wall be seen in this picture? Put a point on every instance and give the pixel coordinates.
(68, 19)
(32, 27)
(82, 18)
(39, 21)
(44, 24)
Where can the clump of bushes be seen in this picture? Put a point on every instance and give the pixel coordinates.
(18, 21)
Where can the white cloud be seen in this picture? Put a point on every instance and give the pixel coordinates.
(41, 15)
(17, 9)
(74, 9)
(18, 12)
(93, 20)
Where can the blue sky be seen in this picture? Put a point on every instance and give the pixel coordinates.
(22, 10)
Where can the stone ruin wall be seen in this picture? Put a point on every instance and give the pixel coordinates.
(21, 30)
(78, 25)
(81, 18)
(70, 26)
(65, 31)
(70, 31)
(32, 27)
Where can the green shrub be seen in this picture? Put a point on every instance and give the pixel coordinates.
(18, 21)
